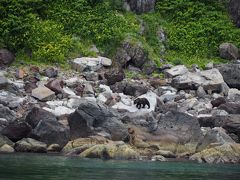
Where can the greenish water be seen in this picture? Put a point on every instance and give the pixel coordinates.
(30, 166)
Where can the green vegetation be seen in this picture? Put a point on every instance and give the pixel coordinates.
(57, 30)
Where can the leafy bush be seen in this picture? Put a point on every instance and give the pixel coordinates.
(197, 27)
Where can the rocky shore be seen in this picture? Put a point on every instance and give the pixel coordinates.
(194, 114)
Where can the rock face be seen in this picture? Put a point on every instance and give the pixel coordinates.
(209, 80)
(46, 128)
(91, 116)
(228, 51)
(141, 6)
(6, 57)
(231, 74)
(180, 125)
(234, 9)
(131, 54)
(30, 145)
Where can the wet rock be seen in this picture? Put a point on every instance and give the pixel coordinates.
(217, 102)
(50, 72)
(6, 149)
(215, 137)
(16, 130)
(228, 51)
(176, 71)
(91, 115)
(110, 151)
(6, 57)
(43, 93)
(55, 85)
(231, 74)
(30, 145)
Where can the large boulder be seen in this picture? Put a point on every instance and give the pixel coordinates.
(231, 123)
(215, 137)
(16, 130)
(131, 54)
(141, 6)
(92, 117)
(210, 80)
(30, 145)
(114, 76)
(37, 114)
(231, 74)
(46, 128)
(6, 57)
(183, 127)
(234, 9)
(228, 51)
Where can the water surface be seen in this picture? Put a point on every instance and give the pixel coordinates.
(34, 166)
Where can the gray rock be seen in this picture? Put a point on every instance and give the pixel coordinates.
(91, 115)
(11, 100)
(234, 10)
(51, 132)
(233, 95)
(141, 6)
(201, 92)
(231, 108)
(216, 136)
(7, 114)
(88, 90)
(105, 61)
(209, 66)
(43, 93)
(231, 74)
(176, 71)
(6, 57)
(91, 76)
(228, 51)
(210, 80)
(3, 82)
(131, 54)
(180, 125)
(30, 145)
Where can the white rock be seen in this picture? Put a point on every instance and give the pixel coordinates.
(176, 71)
(53, 104)
(105, 61)
(60, 110)
(69, 91)
(105, 87)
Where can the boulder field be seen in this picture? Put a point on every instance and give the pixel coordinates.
(193, 114)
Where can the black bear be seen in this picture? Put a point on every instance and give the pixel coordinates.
(141, 103)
